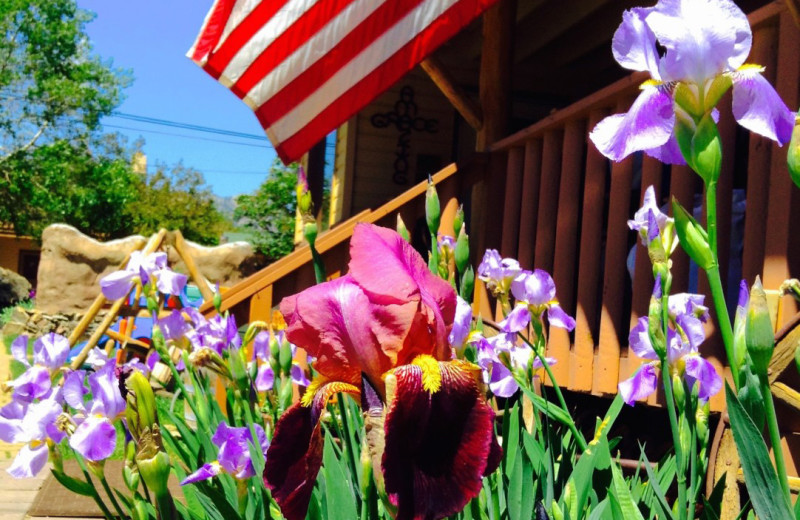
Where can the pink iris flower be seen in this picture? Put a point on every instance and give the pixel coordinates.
(388, 319)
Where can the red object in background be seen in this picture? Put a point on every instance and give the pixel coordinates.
(306, 66)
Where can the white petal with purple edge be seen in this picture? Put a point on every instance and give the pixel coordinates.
(639, 340)
(648, 124)
(703, 38)
(265, 378)
(205, 472)
(169, 282)
(29, 462)
(641, 385)
(19, 349)
(117, 284)
(557, 317)
(759, 108)
(94, 439)
(634, 44)
(502, 383)
(702, 371)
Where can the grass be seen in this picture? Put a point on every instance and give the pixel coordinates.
(5, 314)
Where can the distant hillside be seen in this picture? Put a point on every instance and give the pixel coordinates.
(225, 205)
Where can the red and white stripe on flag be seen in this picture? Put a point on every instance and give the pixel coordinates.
(306, 66)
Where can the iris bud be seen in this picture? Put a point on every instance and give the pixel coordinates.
(467, 283)
(432, 209)
(462, 250)
(402, 230)
(310, 230)
(556, 510)
(458, 220)
(285, 357)
(759, 336)
(141, 405)
(679, 391)
(692, 236)
(739, 324)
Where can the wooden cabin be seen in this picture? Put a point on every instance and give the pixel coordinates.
(502, 112)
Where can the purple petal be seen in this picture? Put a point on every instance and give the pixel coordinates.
(536, 288)
(702, 37)
(38, 419)
(205, 472)
(19, 349)
(11, 422)
(634, 44)
(641, 385)
(652, 226)
(687, 303)
(502, 383)
(29, 462)
(667, 153)
(34, 383)
(117, 284)
(94, 439)
(298, 376)
(639, 340)
(704, 373)
(648, 124)
(744, 295)
(173, 326)
(537, 363)
(106, 397)
(461, 324)
(757, 107)
(517, 320)
(51, 350)
(170, 282)
(97, 358)
(261, 345)
(693, 328)
(558, 318)
(74, 389)
(677, 349)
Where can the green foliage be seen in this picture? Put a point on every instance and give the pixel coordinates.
(178, 199)
(52, 87)
(269, 213)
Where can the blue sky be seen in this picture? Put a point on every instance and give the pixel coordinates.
(151, 38)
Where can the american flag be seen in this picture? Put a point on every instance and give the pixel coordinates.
(306, 66)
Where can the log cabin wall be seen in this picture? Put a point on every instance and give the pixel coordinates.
(381, 169)
(566, 209)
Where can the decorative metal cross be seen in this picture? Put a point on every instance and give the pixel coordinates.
(405, 119)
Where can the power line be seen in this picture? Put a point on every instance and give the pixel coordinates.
(120, 127)
(188, 126)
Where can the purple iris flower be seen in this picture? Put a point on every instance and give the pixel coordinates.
(706, 43)
(265, 376)
(683, 360)
(496, 373)
(234, 453)
(49, 354)
(498, 272)
(538, 291)
(218, 333)
(462, 324)
(95, 437)
(143, 267)
(32, 424)
(173, 325)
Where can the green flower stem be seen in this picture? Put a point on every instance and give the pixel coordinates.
(775, 436)
(351, 458)
(111, 496)
(715, 281)
(319, 265)
(95, 495)
(562, 403)
(693, 473)
(666, 377)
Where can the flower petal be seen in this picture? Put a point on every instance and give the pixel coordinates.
(11, 422)
(170, 282)
(116, 285)
(293, 460)
(759, 108)
(33, 384)
(558, 318)
(19, 349)
(639, 340)
(94, 439)
(634, 44)
(703, 372)
(502, 382)
(438, 445)
(51, 350)
(173, 326)
(461, 323)
(265, 378)
(667, 153)
(205, 472)
(74, 389)
(517, 320)
(641, 385)
(336, 322)
(298, 375)
(703, 38)
(392, 273)
(647, 125)
(29, 462)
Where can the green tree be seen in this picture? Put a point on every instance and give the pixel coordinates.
(51, 86)
(269, 213)
(178, 199)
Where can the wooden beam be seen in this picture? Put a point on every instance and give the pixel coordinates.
(495, 75)
(468, 109)
(191, 266)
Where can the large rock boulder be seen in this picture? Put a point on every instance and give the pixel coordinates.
(13, 288)
(72, 264)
